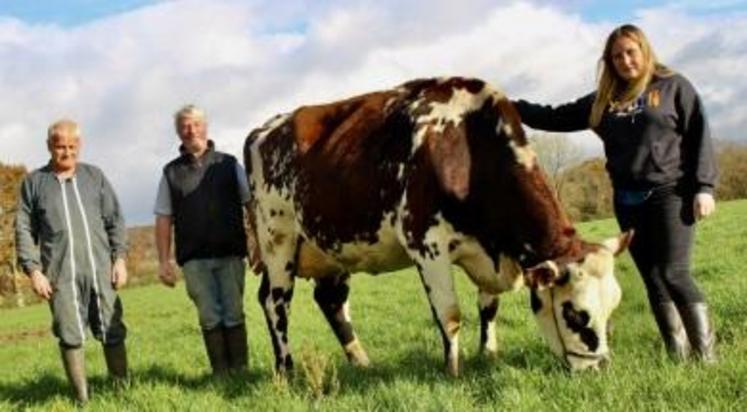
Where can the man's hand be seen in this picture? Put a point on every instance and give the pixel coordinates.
(703, 205)
(167, 274)
(119, 273)
(41, 285)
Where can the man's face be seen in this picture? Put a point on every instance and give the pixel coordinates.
(64, 148)
(192, 132)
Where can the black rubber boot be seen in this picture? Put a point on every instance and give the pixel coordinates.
(73, 360)
(236, 347)
(215, 344)
(699, 330)
(116, 361)
(672, 330)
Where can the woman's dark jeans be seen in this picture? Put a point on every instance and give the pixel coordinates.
(661, 248)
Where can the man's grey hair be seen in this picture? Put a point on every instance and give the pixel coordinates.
(62, 127)
(187, 112)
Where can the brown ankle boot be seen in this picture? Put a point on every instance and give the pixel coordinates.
(73, 360)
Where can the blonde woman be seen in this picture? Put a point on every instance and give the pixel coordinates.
(661, 164)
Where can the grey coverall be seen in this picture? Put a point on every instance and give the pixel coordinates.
(79, 229)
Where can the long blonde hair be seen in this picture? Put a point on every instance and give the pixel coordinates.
(610, 86)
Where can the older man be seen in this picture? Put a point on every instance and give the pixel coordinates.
(201, 196)
(69, 209)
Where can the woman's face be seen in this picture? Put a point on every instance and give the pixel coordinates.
(627, 58)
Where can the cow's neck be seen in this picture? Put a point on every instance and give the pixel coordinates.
(556, 241)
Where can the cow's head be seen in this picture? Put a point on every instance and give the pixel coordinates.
(573, 298)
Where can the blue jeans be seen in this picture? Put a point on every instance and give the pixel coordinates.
(216, 286)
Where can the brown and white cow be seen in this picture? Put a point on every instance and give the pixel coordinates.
(432, 173)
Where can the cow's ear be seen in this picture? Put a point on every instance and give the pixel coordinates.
(449, 153)
(619, 243)
(541, 276)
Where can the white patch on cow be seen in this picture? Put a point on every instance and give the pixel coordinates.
(400, 172)
(524, 154)
(496, 94)
(491, 343)
(481, 268)
(506, 128)
(386, 255)
(440, 115)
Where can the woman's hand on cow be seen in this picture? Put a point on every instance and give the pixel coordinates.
(703, 205)
(41, 285)
(167, 274)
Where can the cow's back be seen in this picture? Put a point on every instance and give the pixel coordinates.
(334, 175)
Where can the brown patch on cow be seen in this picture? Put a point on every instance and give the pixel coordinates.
(315, 264)
(451, 159)
(453, 321)
(278, 238)
(343, 122)
(348, 177)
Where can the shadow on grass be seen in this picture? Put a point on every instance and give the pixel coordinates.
(415, 366)
(38, 391)
(230, 386)
(43, 388)
(425, 367)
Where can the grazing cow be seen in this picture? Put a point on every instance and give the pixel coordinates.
(432, 173)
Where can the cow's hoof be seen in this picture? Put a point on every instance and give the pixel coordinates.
(490, 354)
(360, 362)
(356, 355)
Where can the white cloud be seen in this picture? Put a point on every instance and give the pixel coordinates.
(123, 76)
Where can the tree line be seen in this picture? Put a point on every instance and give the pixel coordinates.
(584, 189)
(581, 185)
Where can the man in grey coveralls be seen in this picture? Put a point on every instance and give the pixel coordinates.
(70, 211)
(201, 197)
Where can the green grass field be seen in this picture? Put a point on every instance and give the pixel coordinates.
(393, 320)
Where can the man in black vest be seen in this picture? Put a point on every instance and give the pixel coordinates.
(200, 196)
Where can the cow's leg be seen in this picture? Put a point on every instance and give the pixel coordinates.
(491, 280)
(439, 285)
(331, 294)
(488, 307)
(275, 294)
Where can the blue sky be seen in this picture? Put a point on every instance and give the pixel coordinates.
(121, 68)
(74, 12)
(66, 12)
